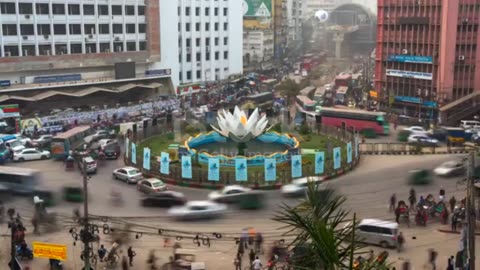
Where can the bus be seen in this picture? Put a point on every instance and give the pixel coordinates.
(68, 141)
(19, 180)
(343, 80)
(305, 104)
(261, 97)
(359, 120)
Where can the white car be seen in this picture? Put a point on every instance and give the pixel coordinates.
(198, 210)
(99, 134)
(299, 186)
(24, 140)
(104, 142)
(228, 194)
(128, 174)
(450, 168)
(416, 130)
(30, 154)
(422, 139)
(43, 139)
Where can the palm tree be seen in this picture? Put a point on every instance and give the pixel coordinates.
(324, 232)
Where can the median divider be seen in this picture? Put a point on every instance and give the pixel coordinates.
(412, 149)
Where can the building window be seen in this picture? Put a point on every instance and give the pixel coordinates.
(207, 11)
(11, 50)
(26, 29)
(207, 56)
(225, 55)
(189, 75)
(90, 48)
(25, 8)
(179, 58)
(9, 29)
(179, 27)
(42, 9)
(74, 29)
(225, 11)
(199, 74)
(225, 41)
(187, 27)
(118, 46)
(141, 10)
(28, 50)
(44, 50)
(180, 75)
(117, 28)
(197, 41)
(199, 57)
(42, 29)
(187, 11)
(103, 10)
(131, 46)
(216, 41)
(207, 41)
(197, 11)
(75, 48)
(142, 46)
(225, 26)
(73, 9)
(141, 28)
(60, 49)
(60, 29)
(9, 8)
(105, 47)
(104, 29)
(88, 10)
(187, 42)
(130, 29)
(116, 10)
(189, 57)
(197, 27)
(129, 10)
(217, 55)
(216, 26)
(207, 26)
(215, 11)
(89, 29)
(58, 9)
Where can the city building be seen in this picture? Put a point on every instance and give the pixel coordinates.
(280, 29)
(295, 19)
(427, 58)
(65, 53)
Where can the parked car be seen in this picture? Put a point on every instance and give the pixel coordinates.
(151, 185)
(298, 187)
(423, 140)
(163, 199)
(128, 174)
(197, 210)
(450, 168)
(89, 164)
(378, 232)
(98, 135)
(228, 194)
(30, 154)
(416, 130)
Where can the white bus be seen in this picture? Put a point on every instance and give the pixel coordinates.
(19, 180)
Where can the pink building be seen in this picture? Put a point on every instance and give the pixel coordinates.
(427, 57)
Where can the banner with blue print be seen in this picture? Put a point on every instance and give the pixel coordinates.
(270, 169)
(165, 163)
(337, 158)
(296, 166)
(319, 162)
(146, 158)
(349, 152)
(213, 169)
(241, 170)
(134, 153)
(187, 167)
(126, 147)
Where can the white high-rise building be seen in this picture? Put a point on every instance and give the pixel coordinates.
(295, 13)
(201, 39)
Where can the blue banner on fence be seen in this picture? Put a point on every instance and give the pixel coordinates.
(134, 153)
(319, 162)
(270, 169)
(146, 158)
(349, 152)
(187, 167)
(126, 146)
(337, 158)
(296, 166)
(165, 163)
(356, 147)
(241, 170)
(213, 169)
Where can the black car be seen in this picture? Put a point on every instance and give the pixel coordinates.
(112, 150)
(163, 199)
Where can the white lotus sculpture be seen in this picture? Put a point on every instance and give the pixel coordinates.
(238, 127)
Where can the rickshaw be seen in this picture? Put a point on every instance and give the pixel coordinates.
(69, 163)
(73, 194)
(402, 212)
(44, 216)
(419, 177)
(421, 217)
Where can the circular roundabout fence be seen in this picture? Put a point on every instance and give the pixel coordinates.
(336, 161)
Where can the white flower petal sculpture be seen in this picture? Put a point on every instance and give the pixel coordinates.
(238, 127)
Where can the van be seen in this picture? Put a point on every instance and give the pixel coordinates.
(470, 124)
(378, 232)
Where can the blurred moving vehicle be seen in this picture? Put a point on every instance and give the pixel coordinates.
(19, 180)
(228, 194)
(164, 199)
(450, 168)
(439, 133)
(198, 210)
(151, 185)
(378, 232)
(298, 187)
(130, 175)
(416, 130)
(422, 139)
(99, 134)
(30, 154)
(89, 163)
(43, 140)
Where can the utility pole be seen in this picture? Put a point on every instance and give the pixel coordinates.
(470, 211)
(86, 229)
(12, 226)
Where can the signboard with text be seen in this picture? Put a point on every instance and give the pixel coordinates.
(410, 59)
(189, 89)
(257, 8)
(409, 74)
(7, 111)
(49, 251)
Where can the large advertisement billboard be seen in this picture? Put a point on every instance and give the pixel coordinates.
(409, 74)
(257, 8)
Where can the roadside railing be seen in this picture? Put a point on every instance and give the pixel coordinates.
(411, 149)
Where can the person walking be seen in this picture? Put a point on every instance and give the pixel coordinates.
(251, 256)
(259, 243)
(452, 202)
(130, 254)
(102, 252)
(432, 257)
(393, 202)
(454, 222)
(412, 198)
(400, 242)
(237, 262)
(241, 248)
(451, 263)
(441, 195)
(257, 264)
(124, 263)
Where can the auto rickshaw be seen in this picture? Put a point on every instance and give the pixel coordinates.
(73, 194)
(47, 196)
(420, 177)
(69, 163)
